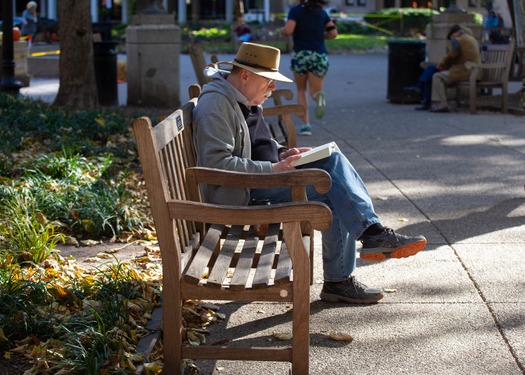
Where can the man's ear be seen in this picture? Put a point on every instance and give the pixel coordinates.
(244, 76)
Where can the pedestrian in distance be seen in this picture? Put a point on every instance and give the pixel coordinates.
(29, 19)
(309, 26)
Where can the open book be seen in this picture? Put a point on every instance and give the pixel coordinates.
(316, 153)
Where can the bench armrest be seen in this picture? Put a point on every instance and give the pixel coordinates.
(317, 177)
(472, 65)
(316, 213)
(284, 109)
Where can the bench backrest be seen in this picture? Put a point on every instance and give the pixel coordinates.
(198, 61)
(497, 54)
(172, 153)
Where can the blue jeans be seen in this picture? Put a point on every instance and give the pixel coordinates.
(352, 212)
(426, 82)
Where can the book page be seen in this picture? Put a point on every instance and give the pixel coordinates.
(316, 153)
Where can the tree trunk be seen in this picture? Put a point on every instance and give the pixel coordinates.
(518, 12)
(77, 69)
(239, 9)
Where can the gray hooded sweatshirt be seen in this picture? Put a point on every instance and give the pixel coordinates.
(222, 138)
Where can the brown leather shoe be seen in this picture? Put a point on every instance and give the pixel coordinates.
(439, 108)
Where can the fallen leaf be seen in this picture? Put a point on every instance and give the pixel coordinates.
(340, 336)
(283, 336)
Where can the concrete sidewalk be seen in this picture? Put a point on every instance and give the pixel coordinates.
(459, 306)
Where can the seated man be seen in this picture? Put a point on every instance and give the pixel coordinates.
(464, 47)
(230, 133)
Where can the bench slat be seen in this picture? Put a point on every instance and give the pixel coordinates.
(223, 263)
(283, 271)
(204, 254)
(263, 273)
(245, 262)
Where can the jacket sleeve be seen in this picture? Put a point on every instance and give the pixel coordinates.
(452, 54)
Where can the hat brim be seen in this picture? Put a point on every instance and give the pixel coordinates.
(264, 73)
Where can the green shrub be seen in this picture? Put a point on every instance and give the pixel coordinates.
(73, 168)
(401, 21)
(27, 234)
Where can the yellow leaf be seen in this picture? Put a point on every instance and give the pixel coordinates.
(153, 368)
(340, 336)
(20, 349)
(2, 335)
(100, 121)
(283, 336)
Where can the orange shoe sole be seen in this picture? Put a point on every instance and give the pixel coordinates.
(402, 252)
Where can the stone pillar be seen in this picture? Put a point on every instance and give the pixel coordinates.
(153, 71)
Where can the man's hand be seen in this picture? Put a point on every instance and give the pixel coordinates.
(287, 158)
(293, 151)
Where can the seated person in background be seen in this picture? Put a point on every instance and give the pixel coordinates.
(494, 22)
(230, 133)
(463, 47)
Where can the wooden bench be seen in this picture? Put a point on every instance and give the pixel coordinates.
(279, 117)
(495, 67)
(220, 252)
(198, 61)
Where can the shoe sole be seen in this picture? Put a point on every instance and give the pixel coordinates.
(402, 252)
(329, 297)
(305, 133)
(321, 105)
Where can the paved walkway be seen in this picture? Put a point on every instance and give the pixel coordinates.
(459, 306)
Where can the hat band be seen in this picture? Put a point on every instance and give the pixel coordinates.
(254, 65)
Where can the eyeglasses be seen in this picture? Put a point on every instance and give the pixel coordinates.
(269, 81)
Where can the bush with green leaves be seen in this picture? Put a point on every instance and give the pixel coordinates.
(75, 170)
(401, 21)
(34, 126)
(73, 195)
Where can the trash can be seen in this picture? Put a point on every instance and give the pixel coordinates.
(404, 59)
(103, 29)
(105, 56)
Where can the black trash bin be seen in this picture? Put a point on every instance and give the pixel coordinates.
(105, 55)
(404, 59)
(103, 29)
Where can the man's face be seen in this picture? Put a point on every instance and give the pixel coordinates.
(257, 88)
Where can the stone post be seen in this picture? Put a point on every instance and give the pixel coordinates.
(153, 52)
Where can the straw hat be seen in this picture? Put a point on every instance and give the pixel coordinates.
(259, 59)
